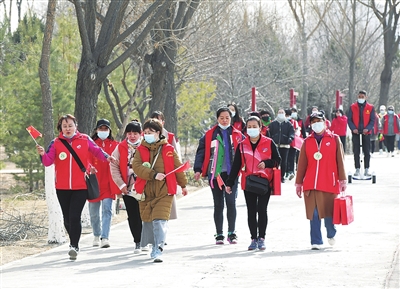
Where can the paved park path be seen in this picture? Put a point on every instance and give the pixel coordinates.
(365, 254)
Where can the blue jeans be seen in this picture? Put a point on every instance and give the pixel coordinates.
(101, 227)
(220, 196)
(315, 225)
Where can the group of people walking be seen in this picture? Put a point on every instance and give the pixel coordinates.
(144, 163)
(232, 151)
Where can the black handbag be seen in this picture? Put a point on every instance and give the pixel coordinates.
(91, 179)
(257, 185)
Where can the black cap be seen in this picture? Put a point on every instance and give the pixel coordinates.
(362, 92)
(133, 126)
(102, 122)
(317, 114)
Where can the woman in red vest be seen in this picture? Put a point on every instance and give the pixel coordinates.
(258, 155)
(339, 126)
(237, 121)
(153, 163)
(214, 157)
(390, 127)
(71, 188)
(101, 226)
(124, 178)
(321, 175)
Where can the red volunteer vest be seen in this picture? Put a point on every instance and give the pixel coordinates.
(366, 114)
(251, 159)
(321, 175)
(386, 124)
(237, 136)
(167, 153)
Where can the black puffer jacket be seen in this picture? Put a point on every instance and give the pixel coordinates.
(281, 132)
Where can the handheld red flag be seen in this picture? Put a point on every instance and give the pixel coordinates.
(181, 168)
(33, 132)
(220, 182)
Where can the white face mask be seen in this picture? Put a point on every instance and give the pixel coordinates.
(253, 132)
(294, 115)
(103, 134)
(281, 116)
(224, 127)
(233, 113)
(318, 126)
(361, 100)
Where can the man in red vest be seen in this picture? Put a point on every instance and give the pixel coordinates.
(361, 119)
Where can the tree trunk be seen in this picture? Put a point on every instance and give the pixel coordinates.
(386, 79)
(304, 100)
(87, 93)
(56, 228)
(162, 85)
(352, 60)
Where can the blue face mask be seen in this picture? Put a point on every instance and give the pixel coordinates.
(103, 134)
(361, 100)
(253, 132)
(70, 136)
(150, 138)
(390, 112)
(223, 127)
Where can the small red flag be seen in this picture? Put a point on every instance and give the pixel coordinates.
(33, 132)
(181, 168)
(220, 182)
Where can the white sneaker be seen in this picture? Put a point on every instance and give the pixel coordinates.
(96, 241)
(331, 241)
(357, 173)
(380, 151)
(366, 173)
(146, 248)
(392, 154)
(105, 243)
(316, 247)
(73, 253)
(137, 249)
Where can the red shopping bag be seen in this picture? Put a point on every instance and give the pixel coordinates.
(276, 182)
(343, 212)
(346, 210)
(297, 142)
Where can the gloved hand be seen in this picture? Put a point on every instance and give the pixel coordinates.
(299, 189)
(343, 185)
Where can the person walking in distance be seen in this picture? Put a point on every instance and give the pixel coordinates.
(320, 177)
(390, 127)
(101, 225)
(214, 157)
(361, 119)
(339, 126)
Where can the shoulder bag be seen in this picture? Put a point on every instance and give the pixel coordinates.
(91, 179)
(256, 184)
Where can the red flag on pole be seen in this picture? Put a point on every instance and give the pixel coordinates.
(220, 182)
(33, 132)
(181, 168)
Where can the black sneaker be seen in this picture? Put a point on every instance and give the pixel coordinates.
(232, 238)
(219, 239)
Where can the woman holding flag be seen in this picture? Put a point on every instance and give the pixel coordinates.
(214, 157)
(257, 155)
(158, 171)
(70, 182)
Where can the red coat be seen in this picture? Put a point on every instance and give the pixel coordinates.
(107, 187)
(339, 125)
(321, 175)
(251, 159)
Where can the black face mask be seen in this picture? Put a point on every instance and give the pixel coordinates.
(266, 118)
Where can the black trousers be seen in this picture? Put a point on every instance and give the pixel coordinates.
(134, 219)
(257, 217)
(284, 156)
(365, 142)
(72, 203)
(343, 140)
(390, 139)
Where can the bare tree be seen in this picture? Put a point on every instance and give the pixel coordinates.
(389, 19)
(167, 36)
(98, 43)
(300, 12)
